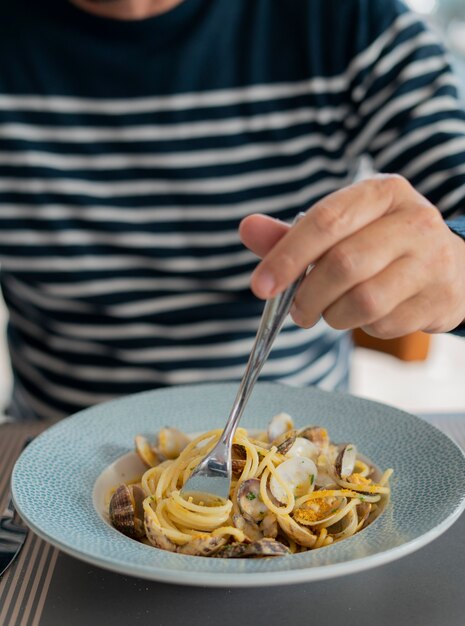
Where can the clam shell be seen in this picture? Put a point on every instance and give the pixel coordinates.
(300, 535)
(279, 424)
(126, 512)
(239, 456)
(232, 551)
(269, 525)
(345, 460)
(304, 448)
(317, 435)
(363, 511)
(171, 442)
(298, 473)
(156, 536)
(263, 547)
(285, 441)
(145, 451)
(237, 466)
(349, 523)
(249, 500)
(203, 545)
(248, 527)
(328, 512)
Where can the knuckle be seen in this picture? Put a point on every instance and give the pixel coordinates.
(428, 218)
(392, 183)
(328, 219)
(364, 300)
(340, 262)
(390, 186)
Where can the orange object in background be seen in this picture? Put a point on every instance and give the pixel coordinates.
(414, 347)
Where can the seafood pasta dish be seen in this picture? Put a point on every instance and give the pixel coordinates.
(293, 490)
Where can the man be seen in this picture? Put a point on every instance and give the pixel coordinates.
(137, 135)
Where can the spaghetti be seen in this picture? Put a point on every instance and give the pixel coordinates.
(292, 490)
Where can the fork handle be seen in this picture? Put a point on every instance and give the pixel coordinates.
(273, 316)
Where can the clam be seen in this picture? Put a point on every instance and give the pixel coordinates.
(318, 511)
(345, 461)
(317, 435)
(271, 496)
(324, 479)
(269, 525)
(146, 452)
(171, 442)
(304, 448)
(232, 551)
(363, 511)
(285, 441)
(261, 548)
(126, 510)
(267, 547)
(300, 535)
(349, 523)
(298, 473)
(238, 458)
(326, 474)
(156, 536)
(250, 501)
(237, 466)
(248, 527)
(238, 451)
(279, 424)
(202, 545)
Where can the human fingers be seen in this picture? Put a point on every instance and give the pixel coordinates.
(376, 298)
(408, 317)
(328, 222)
(351, 262)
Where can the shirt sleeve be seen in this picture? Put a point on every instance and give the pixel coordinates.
(408, 114)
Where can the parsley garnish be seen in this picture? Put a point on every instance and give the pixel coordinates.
(312, 478)
(250, 496)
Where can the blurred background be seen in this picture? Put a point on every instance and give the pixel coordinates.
(420, 373)
(448, 18)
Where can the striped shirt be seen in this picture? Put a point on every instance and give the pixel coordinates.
(130, 151)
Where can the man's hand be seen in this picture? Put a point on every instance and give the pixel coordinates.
(384, 260)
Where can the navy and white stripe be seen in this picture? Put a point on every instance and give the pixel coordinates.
(129, 153)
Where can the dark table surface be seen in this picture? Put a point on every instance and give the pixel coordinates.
(47, 588)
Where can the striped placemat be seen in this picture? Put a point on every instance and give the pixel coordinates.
(24, 586)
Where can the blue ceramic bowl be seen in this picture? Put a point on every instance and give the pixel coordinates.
(54, 480)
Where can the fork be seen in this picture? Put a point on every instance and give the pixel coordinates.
(211, 479)
(12, 534)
